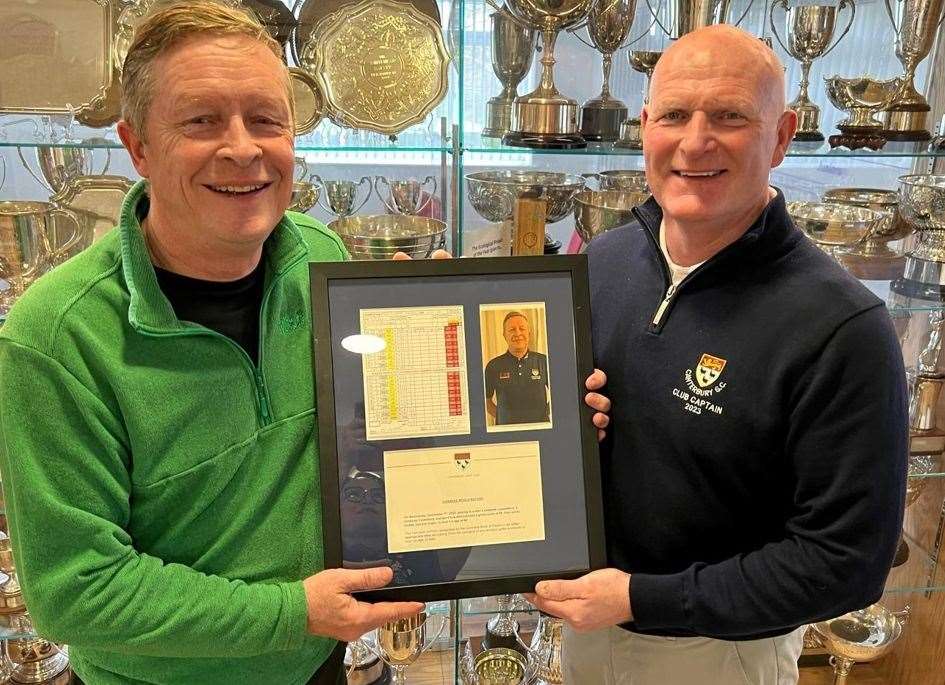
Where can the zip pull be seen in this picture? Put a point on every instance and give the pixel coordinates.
(658, 317)
(263, 404)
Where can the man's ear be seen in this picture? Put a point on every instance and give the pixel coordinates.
(135, 146)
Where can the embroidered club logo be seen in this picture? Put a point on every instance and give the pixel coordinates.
(708, 370)
(535, 373)
(461, 459)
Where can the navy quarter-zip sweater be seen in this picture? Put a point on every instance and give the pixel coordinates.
(754, 471)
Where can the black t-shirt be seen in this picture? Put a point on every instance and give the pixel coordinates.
(230, 308)
(519, 386)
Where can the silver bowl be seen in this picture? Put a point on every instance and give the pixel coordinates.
(922, 200)
(892, 226)
(831, 225)
(863, 635)
(493, 193)
(861, 98)
(379, 236)
(621, 179)
(596, 211)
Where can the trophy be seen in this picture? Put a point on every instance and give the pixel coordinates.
(404, 197)
(401, 642)
(831, 226)
(859, 636)
(341, 195)
(381, 236)
(513, 47)
(25, 251)
(544, 655)
(809, 31)
(58, 165)
(861, 98)
(35, 660)
(493, 194)
(689, 15)
(918, 21)
(596, 211)
(502, 629)
(500, 666)
(922, 205)
(643, 61)
(608, 25)
(11, 594)
(872, 259)
(545, 118)
(362, 666)
(632, 180)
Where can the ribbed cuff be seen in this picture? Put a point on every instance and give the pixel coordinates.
(292, 627)
(659, 602)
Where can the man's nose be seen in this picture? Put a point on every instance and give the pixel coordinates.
(239, 145)
(698, 135)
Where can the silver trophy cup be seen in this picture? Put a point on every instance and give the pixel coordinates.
(643, 61)
(59, 165)
(513, 49)
(810, 29)
(689, 15)
(608, 25)
(406, 196)
(341, 196)
(915, 23)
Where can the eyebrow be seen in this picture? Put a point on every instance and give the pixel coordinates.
(183, 102)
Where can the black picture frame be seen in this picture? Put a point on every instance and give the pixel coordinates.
(334, 284)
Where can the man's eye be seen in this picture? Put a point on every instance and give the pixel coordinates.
(732, 116)
(199, 120)
(673, 116)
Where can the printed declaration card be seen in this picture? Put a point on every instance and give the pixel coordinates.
(445, 451)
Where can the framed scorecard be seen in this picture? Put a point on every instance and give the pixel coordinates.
(454, 442)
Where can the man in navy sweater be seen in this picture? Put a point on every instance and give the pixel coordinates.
(755, 466)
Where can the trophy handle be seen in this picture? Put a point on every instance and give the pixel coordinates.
(430, 195)
(646, 31)
(592, 175)
(840, 6)
(77, 235)
(29, 169)
(317, 181)
(301, 168)
(494, 5)
(892, 18)
(903, 615)
(655, 14)
(782, 3)
(365, 179)
(745, 13)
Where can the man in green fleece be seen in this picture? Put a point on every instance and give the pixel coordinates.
(159, 436)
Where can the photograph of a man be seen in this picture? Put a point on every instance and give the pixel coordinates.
(517, 389)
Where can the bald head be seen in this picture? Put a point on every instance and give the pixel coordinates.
(721, 50)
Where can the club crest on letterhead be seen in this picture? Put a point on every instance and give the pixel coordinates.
(462, 459)
(708, 370)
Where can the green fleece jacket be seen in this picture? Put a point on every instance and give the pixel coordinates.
(163, 491)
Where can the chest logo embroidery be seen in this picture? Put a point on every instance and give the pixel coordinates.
(505, 375)
(708, 370)
(534, 373)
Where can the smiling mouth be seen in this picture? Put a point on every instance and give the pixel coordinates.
(699, 174)
(240, 191)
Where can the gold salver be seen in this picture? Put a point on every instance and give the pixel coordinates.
(382, 65)
(309, 103)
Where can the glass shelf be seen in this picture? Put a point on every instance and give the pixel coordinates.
(473, 142)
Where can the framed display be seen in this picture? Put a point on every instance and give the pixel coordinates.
(455, 445)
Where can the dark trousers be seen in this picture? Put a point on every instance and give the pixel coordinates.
(332, 672)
